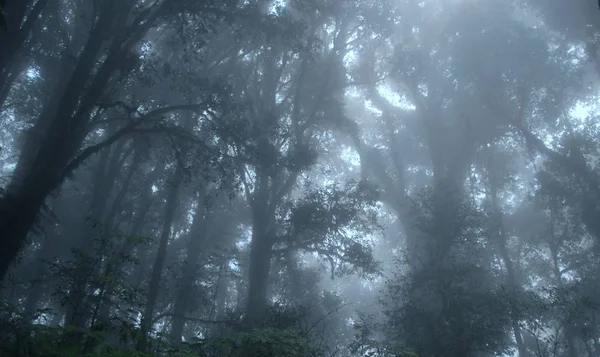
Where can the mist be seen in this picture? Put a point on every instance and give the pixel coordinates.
(299, 178)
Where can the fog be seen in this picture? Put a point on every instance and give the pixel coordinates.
(299, 178)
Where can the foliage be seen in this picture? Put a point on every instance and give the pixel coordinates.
(100, 271)
(23, 339)
(268, 342)
(440, 155)
(325, 221)
(367, 344)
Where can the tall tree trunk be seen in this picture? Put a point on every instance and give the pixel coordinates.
(196, 239)
(260, 267)
(118, 201)
(136, 230)
(17, 215)
(79, 309)
(569, 335)
(105, 176)
(222, 293)
(65, 134)
(222, 290)
(511, 278)
(157, 269)
(46, 253)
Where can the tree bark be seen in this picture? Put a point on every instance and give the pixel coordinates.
(222, 294)
(569, 335)
(511, 278)
(195, 241)
(259, 269)
(46, 253)
(222, 290)
(104, 179)
(22, 202)
(135, 230)
(157, 269)
(66, 130)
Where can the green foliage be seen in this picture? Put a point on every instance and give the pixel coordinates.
(22, 339)
(447, 304)
(257, 343)
(322, 222)
(100, 270)
(366, 344)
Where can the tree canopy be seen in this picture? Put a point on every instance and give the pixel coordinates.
(307, 178)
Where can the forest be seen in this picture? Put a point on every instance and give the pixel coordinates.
(299, 178)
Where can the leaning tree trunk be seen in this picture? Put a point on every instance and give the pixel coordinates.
(66, 130)
(23, 200)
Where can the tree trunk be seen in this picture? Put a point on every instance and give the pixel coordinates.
(65, 134)
(79, 309)
(47, 252)
(136, 229)
(222, 290)
(569, 335)
(105, 176)
(153, 289)
(259, 269)
(18, 213)
(222, 294)
(196, 239)
(498, 229)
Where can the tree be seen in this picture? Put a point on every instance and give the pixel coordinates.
(282, 136)
(299, 178)
(50, 156)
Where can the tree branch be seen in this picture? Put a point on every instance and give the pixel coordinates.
(91, 150)
(131, 128)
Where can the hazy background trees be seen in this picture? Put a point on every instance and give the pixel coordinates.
(300, 178)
